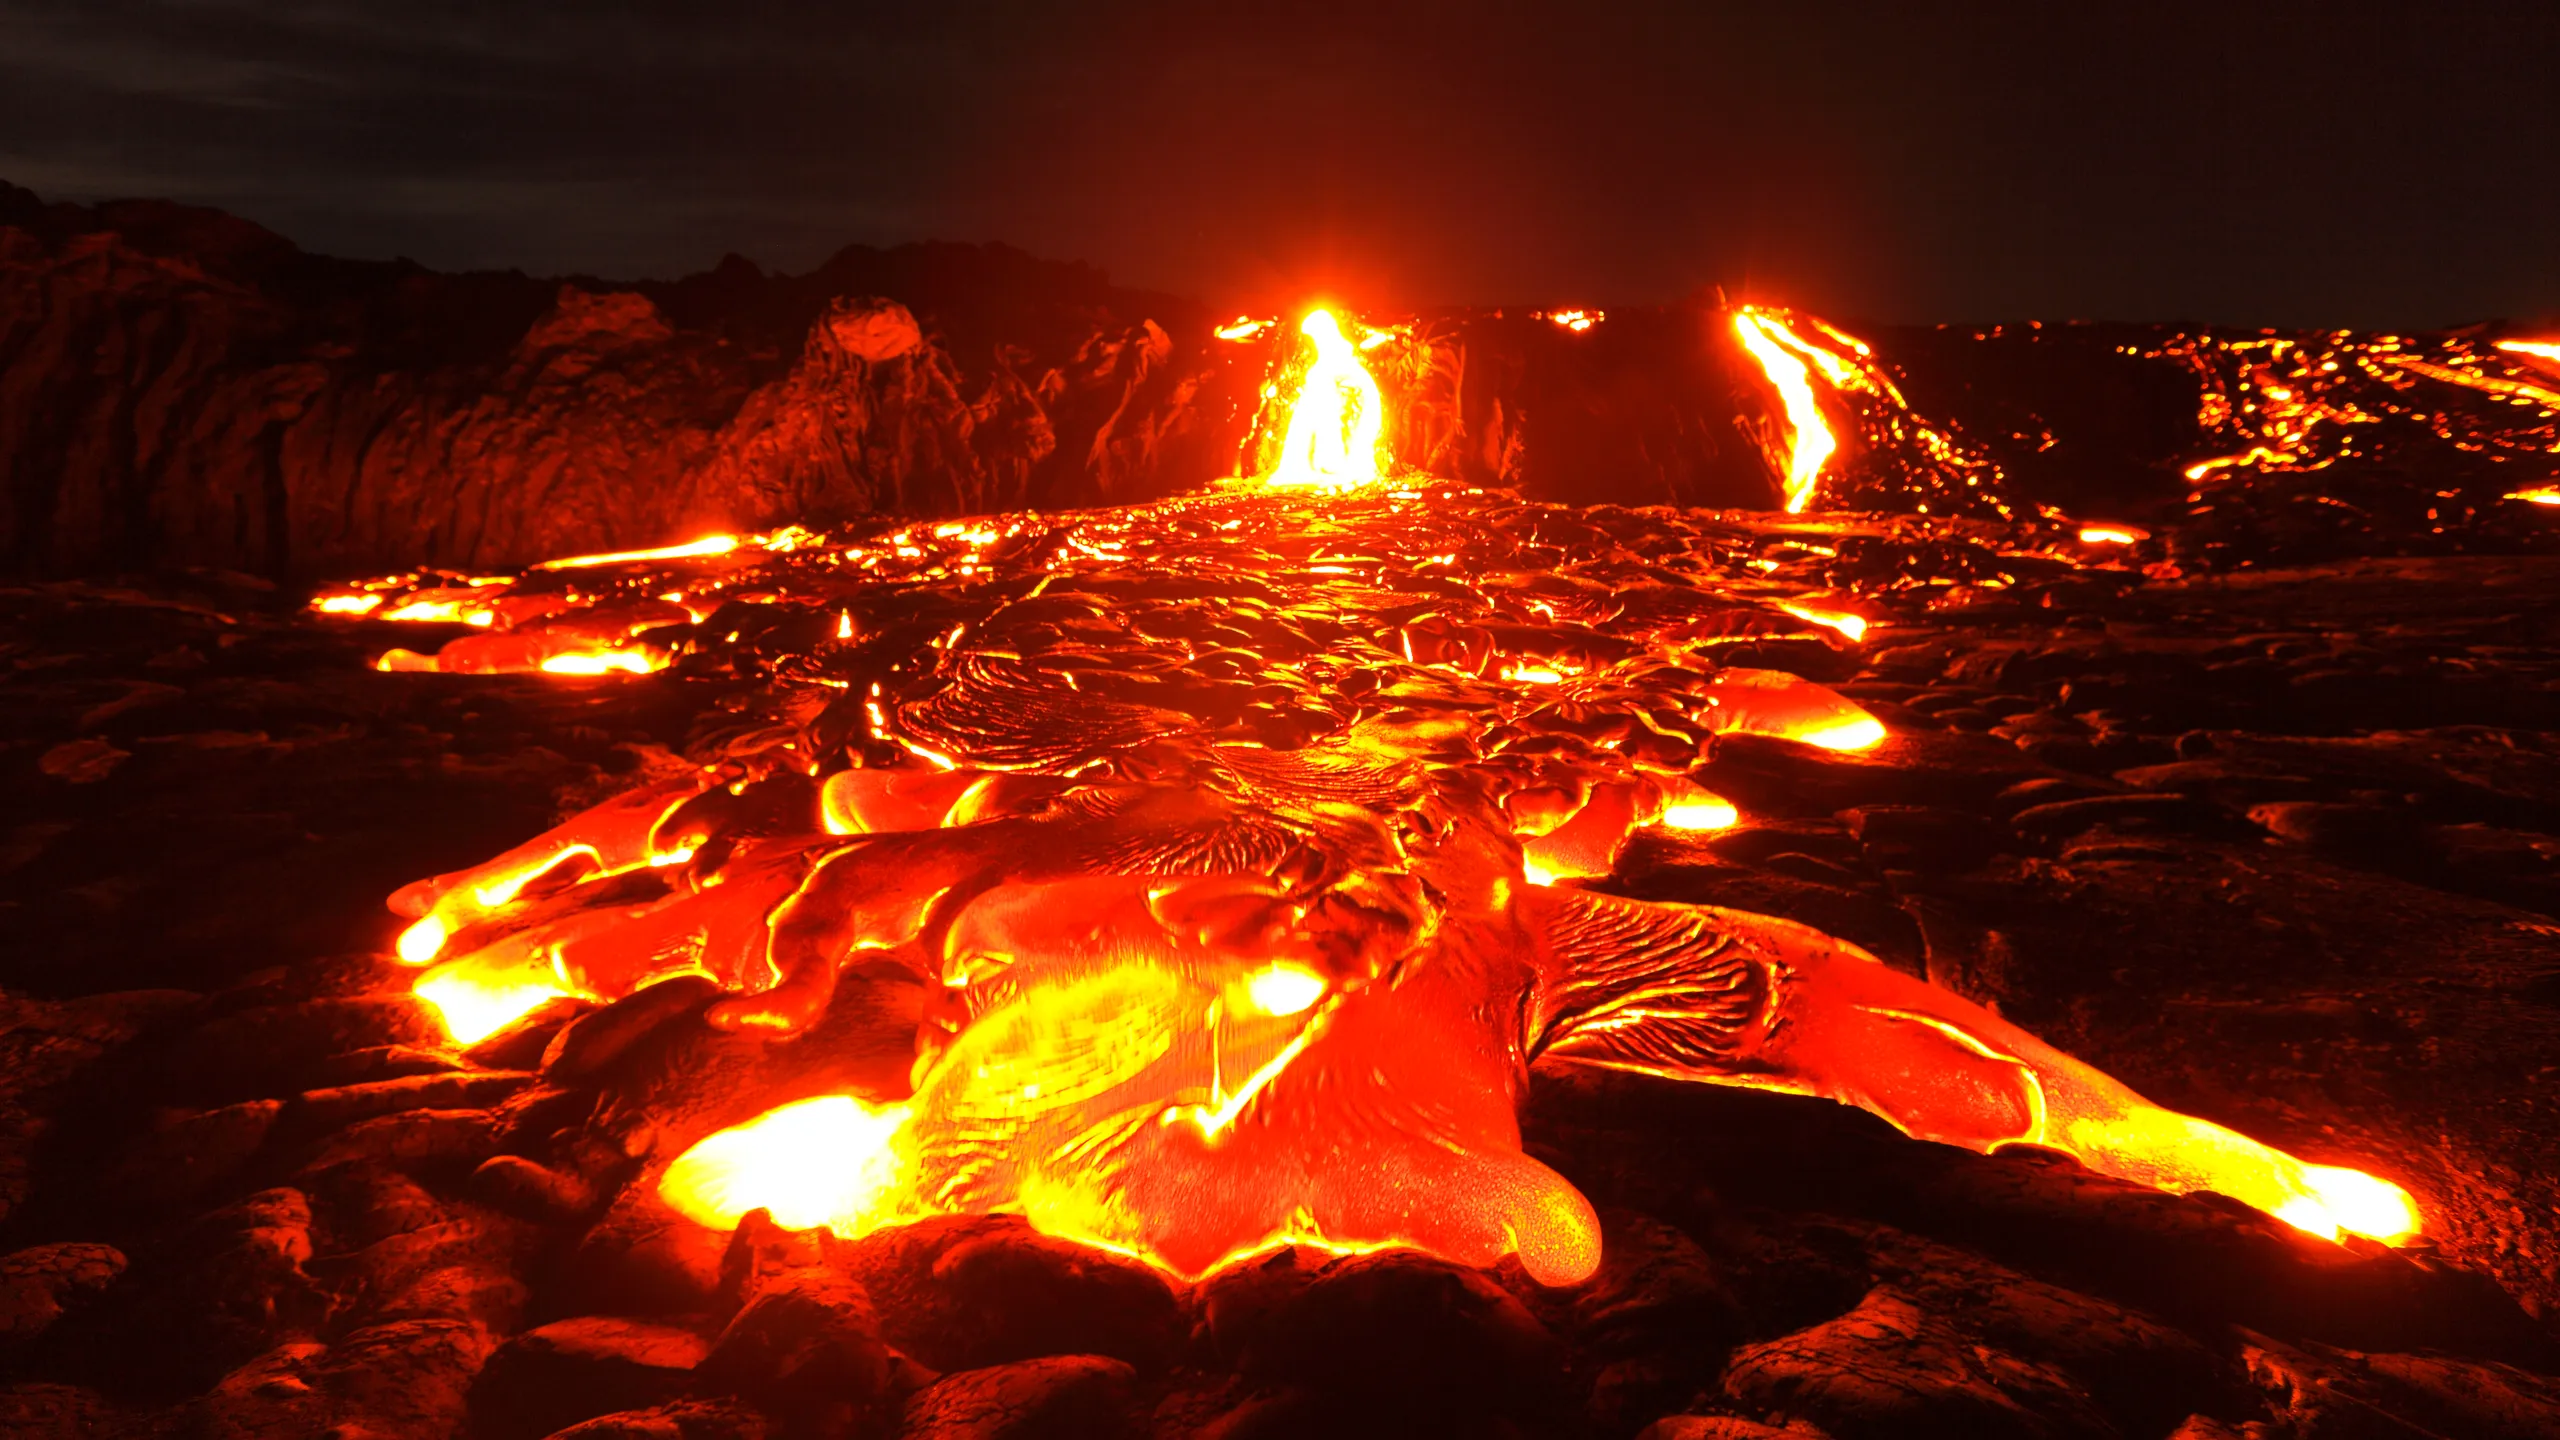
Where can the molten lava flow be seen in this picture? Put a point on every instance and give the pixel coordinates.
(1707, 812)
(2539, 349)
(2539, 495)
(1900, 459)
(2253, 456)
(448, 612)
(1338, 418)
(2345, 1201)
(2113, 534)
(476, 1006)
(707, 545)
(1773, 702)
(1810, 440)
(1243, 327)
(832, 1160)
(1237, 845)
(604, 662)
(2279, 406)
(1577, 321)
(1850, 625)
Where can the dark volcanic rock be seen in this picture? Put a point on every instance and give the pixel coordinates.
(1396, 1330)
(718, 1419)
(573, 1370)
(404, 1381)
(643, 1258)
(1062, 1397)
(969, 1291)
(190, 389)
(1723, 1427)
(1654, 1323)
(806, 1336)
(38, 1283)
(1889, 1368)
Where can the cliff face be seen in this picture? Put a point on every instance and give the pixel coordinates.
(178, 387)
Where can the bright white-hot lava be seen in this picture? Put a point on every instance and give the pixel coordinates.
(1339, 418)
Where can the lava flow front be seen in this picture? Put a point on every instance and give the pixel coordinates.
(1237, 844)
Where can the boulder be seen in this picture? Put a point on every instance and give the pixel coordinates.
(1056, 1397)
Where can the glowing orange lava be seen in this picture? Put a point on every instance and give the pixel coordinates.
(2276, 404)
(1338, 419)
(476, 1004)
(1810, 441)
(1242, 887)
(2113, 534)
(1851, 625)
(707, 545)
(831, 1160)
(1773, 702)
(1577, 321)
(604, 662)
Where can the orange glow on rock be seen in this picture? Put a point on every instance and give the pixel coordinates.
(1243, 327)
(1810, 442)
(1338, 419)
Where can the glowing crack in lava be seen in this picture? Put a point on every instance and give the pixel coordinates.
(1232, 843)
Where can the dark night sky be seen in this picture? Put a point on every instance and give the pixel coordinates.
(2288, 164)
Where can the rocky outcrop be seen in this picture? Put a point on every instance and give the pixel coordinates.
(178, 387)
